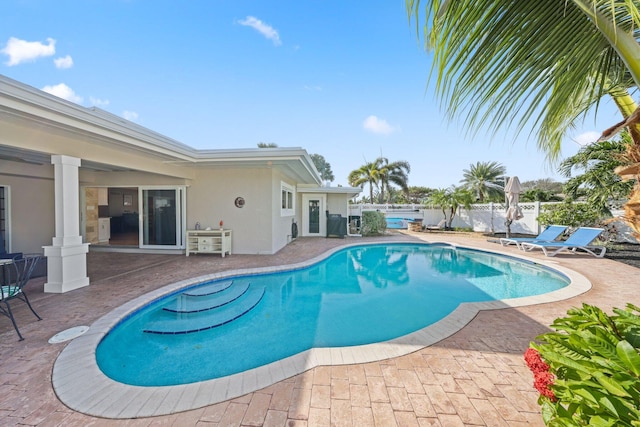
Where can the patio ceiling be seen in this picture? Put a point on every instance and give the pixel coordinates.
(24, 109)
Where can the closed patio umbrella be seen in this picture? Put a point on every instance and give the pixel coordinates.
(512, 190)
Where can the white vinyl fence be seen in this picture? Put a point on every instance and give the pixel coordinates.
(484, 218)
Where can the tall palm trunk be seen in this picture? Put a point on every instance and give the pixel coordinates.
(629, 109)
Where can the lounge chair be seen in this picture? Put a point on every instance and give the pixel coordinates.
(578, 241)
(440, 226)
(551, 233)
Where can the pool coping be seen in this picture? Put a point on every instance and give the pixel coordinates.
(80, 384)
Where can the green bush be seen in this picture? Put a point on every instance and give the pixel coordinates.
(588, 372)
(571, 214)
(373, 223)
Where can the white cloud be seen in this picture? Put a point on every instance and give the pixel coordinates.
(587, 138)
(130, 115)
(98, 102)
(377, 125)
(63, 91)
(63, 62)
(266, 30)
(313, 88)
(20, 51)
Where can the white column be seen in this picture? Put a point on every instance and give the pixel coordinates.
(67, 257)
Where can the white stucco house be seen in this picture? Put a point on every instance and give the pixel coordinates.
(74, 179)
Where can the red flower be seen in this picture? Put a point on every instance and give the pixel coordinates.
(534, 360)
(542, 376)
(221, 223)
(542, 381)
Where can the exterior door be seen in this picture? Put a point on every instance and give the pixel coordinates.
(314, 216)
(162, 217)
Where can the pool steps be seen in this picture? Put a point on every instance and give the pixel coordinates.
(189, 303)
(213, 288)
(174, 323)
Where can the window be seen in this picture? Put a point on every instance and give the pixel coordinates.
(287, 206)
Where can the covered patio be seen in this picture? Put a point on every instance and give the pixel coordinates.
(475, 377)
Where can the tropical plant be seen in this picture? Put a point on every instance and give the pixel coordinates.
(450, 199)
(369, 173)
(538, 195)
(380, 173)
(598, 180)
(415, 194)
(439, 198)
(373, 223)
(588, 371)
(267, 145)
(396, 173)
(571, 214)
(546, 184)
(545, 63)
(484, 179)
(323, 167)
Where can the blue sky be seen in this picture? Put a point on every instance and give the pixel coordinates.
(347, 80)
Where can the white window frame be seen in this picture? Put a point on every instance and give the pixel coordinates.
(287, 199)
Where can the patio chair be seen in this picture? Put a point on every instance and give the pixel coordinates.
(440, 226)
(551, 233)
(19, 273)
(578, 241)
(3, 250)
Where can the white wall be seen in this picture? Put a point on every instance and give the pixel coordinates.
(31, 205)
(211, 197)
(337, 204)
(281, 230)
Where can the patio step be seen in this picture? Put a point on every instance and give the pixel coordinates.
(204, 290)
(186, 323)
(186, 303)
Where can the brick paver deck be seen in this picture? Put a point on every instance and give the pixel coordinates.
(475, 377)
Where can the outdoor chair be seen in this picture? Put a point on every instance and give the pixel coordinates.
(550, 234)
(440, 226)
(578, 241)
(17, 275)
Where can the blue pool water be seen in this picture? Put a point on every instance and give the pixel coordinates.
(358, 295)
(398, 223)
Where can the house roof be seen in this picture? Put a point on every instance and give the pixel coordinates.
(349, 191)
(31, 107)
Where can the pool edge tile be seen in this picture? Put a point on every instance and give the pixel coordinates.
(75, 373)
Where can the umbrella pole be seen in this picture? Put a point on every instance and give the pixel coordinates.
(508, 223)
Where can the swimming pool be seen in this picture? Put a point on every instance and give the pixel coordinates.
(82, 386)
(357, 296)
(398, 223)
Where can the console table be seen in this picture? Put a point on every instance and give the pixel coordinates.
(209, 242)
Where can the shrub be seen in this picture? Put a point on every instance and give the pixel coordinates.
(588, 371)
(373, 223)
(570, 214)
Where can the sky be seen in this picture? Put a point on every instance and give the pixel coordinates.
(344, 79)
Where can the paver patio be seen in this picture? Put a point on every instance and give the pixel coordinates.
(474, 377)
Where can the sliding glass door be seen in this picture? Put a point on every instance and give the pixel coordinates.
(162, 219)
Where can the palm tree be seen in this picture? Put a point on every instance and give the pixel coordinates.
(543, 62)
(451, 198)
(546, 61)
(598, 180)
(483, 179)
(396, 173)
(439, 198)
(459, 197)
(369, 173)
